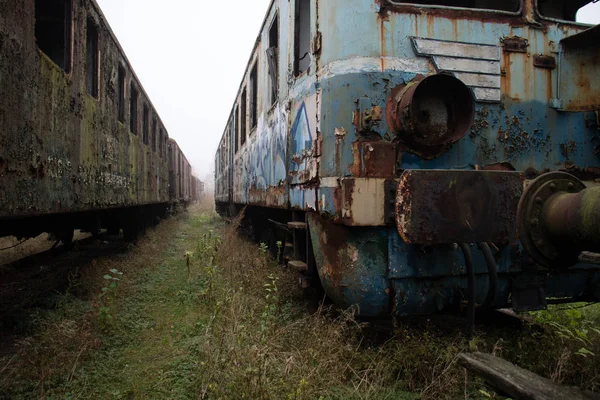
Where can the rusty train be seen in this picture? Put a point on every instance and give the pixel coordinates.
(416, 156)
(81, 145)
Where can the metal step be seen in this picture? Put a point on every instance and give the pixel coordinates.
(304, 281)
(297, 225)
(589, 257)
(299, 266)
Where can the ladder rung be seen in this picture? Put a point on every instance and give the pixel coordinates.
(297, 225)
(299, 266)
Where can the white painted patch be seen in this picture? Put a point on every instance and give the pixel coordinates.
(340, 132)
(367, 202)
(477, 65)
(430, 47)
(485, 94)
(357, 65)
(329, 182)
(479, 80)
(466, 65)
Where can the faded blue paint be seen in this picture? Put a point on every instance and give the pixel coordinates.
(363, 56)
(420, 280)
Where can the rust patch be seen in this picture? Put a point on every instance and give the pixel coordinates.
(546, 62)
(456, 14)
(568, 148)
(457, 206)
(333, 237)
(273, 196)
(373, 159)
(515, 44)
(346, 191)
(501, 166)
(429, 114)
(583, 173)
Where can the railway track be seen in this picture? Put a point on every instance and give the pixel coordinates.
(33, 281)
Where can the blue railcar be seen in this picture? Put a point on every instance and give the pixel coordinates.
(81, 144)
(415, 152)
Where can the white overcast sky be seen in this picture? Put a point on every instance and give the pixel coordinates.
(190, 56)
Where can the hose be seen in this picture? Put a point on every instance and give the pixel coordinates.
(492, 275)
(470, 323)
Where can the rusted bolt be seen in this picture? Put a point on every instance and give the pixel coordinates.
(553, 187)
(571, 186)
(534, 222)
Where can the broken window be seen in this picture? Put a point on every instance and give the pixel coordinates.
(180, 169)
(561, 9)
(166, 142)
(273, 59)
(133, 121)
(254, 97)
(243, 116)
(302, 37)
(145, 124)
(92, 58)
(153, 139)
(121, 98)
(500, 5)
(236, 125)
(160, 142)
(53, 30)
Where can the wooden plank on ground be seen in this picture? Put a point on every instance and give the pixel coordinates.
(518, 383)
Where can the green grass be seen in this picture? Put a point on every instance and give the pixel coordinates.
(200, 312)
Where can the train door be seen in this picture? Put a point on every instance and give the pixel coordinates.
(303, 136)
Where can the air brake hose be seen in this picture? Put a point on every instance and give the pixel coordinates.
(492, 275)
(470, 289)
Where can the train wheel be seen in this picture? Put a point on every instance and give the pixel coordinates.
(65, 235)
(131, 231)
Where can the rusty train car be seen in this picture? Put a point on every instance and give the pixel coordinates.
(419, 153)
(81, 145)
(197, 189)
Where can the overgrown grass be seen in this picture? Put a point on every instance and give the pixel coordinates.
(201, 312)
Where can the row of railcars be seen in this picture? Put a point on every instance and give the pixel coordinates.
(81, 144)
(416, 154)
(197, 189)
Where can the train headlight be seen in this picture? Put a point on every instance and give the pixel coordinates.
(430, 113)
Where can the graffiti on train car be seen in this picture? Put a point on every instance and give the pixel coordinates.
(260, 172)
(303, 164)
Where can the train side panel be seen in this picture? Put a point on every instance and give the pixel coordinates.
(73, 141)
(399, 129)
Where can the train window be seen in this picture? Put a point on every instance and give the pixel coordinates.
(160, 142)
(273, 59)
(53, 30)
(165, 144)
(302, 37)
(153, 140)
(253, 97)
(243, 116)
(133, 110)
(92, 58)
(236, 125)
(498, 5)
(170, 155)
(561, 9)
(145, 124)
(121, 98)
